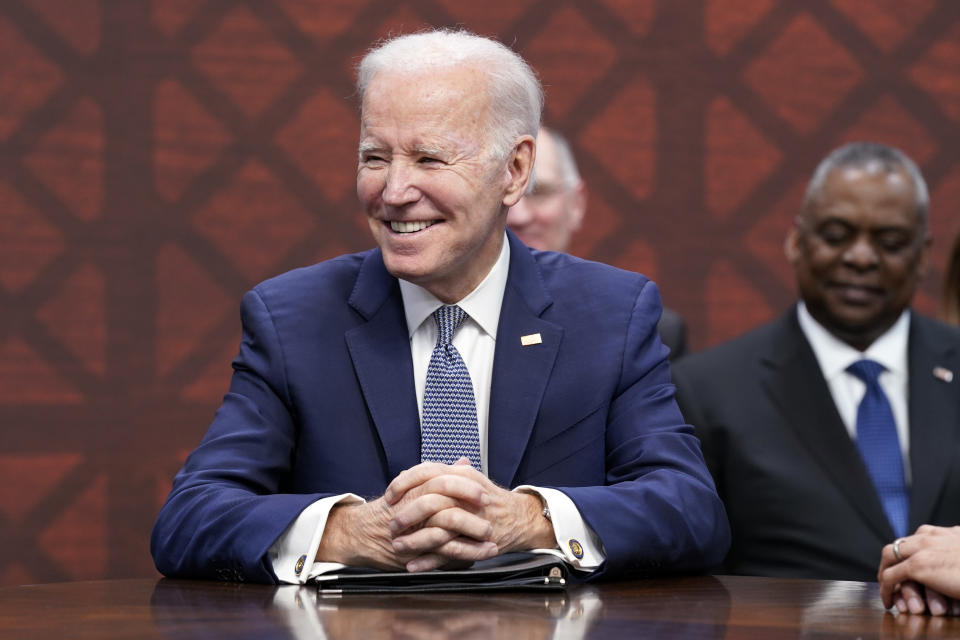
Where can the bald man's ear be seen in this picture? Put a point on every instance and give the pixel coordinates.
(791, 246)
(518, 168)
(923, 263)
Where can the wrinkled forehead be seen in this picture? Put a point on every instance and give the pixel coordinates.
(422, 109)
(426, 89)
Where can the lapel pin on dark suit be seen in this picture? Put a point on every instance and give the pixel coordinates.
(533, 338)
(943, 374)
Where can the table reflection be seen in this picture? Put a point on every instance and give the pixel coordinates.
(442, 616)
(660, 609)
(682, 607)
(198, 609)
(300, 612)
(909, 627)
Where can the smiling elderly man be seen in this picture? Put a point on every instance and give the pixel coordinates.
(448, 396)
(835, 429)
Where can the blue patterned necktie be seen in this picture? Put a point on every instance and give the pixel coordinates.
(879, 446)
(448, 430)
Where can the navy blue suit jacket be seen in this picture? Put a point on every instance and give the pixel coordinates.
(322, 402)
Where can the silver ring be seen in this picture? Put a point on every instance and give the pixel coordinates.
(896, 549)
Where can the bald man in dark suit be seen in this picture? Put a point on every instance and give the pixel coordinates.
(781, 412)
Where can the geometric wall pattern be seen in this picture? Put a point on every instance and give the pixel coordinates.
(158, 158)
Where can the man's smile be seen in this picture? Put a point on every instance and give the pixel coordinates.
(412, 226)
(853, 293)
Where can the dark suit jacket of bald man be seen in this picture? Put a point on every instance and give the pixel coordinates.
(322, 402)
(798, 495)
(673, 333)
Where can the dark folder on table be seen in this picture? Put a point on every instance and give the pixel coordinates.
(511, 571)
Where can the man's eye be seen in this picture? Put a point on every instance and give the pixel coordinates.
(893, 242)
(428, 160)
(834, 235)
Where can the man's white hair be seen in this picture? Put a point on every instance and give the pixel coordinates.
(515, 92)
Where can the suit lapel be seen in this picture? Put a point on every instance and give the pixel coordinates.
(380, 349)
(934, 413)
(520, 373)
(798, 388)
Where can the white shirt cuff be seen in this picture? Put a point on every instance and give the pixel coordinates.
(579, 546)
(293, 552)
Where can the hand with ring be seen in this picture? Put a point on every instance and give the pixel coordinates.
(921, 573)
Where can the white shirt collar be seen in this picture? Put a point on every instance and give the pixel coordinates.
(482, 304)
(835, 355)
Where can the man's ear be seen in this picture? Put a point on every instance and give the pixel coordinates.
(518, 169)
(578, 205)
(923, 263)
(791, 246)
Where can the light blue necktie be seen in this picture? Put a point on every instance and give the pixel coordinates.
(448, 430)
(879, 446)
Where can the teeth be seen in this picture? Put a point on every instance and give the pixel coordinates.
(410, 227)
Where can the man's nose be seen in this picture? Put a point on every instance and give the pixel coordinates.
(861, 253)
(399, 188)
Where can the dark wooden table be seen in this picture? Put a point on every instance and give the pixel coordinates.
(693, 607)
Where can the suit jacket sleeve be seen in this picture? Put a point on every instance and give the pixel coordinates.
(228, 505)
(659, 508)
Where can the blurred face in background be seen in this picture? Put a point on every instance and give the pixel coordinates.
(552, 210)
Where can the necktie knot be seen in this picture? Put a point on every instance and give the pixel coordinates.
(867, 370)
(448, 319)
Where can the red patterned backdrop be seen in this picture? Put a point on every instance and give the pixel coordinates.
(158, 158)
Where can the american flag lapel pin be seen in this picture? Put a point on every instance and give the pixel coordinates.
(533, 338)
(943, 374)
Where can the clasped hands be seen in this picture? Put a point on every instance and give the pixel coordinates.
(926, 576)
(435, 516)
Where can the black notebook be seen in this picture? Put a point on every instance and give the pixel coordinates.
(511, 571)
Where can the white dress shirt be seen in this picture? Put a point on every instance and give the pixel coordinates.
(834, 356)
(476, 341)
